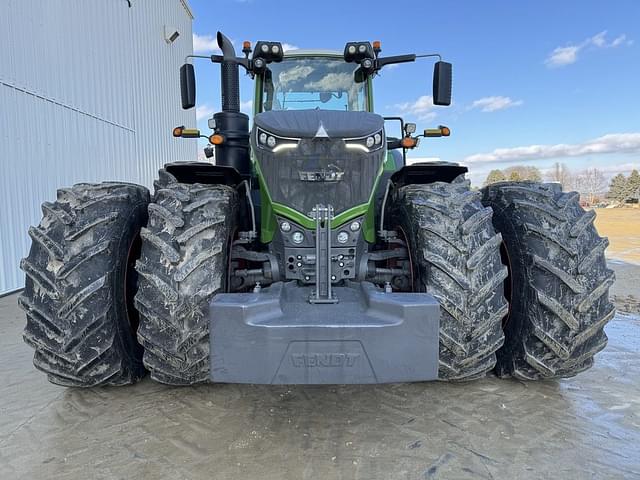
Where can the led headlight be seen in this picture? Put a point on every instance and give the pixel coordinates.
(355, 226)
(267, 52)
(358, 51)
(342, 237)
(297, 237)
(269, 141)
(370, 143)
(285, 227)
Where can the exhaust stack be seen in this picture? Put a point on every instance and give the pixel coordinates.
(230, 81)
(233, 125)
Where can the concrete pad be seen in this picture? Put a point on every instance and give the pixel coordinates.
(583, 427)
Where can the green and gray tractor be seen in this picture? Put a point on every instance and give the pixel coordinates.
(310, 252)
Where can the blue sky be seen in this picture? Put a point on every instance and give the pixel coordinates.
(534, 82)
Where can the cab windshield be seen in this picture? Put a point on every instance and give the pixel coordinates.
(303, 83)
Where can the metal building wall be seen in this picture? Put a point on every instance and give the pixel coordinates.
(88, 92)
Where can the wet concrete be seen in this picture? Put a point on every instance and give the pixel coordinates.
(584, 427)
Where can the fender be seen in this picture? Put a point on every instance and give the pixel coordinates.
(424, 173)
(207, 173)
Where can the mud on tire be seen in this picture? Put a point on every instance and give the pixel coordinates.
(182, 265)
(456, 257)
(559, 299)
(78, 280)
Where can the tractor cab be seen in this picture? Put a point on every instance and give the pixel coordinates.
(312, 80)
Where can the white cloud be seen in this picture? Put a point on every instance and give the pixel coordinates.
(599, 39)
(611, 143)
(619, 168)
(608, 169)
(205, 44)
(422, 108)
(288, 46)
(492, 104)
(563, 56)
(622, 39)
(203, 111)
(567, 55)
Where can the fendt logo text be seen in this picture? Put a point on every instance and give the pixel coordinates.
(324, 359)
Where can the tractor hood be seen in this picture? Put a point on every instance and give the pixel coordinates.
(319, 123)
(318, 167)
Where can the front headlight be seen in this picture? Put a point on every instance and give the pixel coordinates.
(274, 143)
(369, 143)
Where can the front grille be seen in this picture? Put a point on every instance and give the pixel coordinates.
(320, 171)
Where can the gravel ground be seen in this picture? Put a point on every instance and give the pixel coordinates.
(584, 427)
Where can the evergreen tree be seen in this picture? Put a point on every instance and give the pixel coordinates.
(633, 186)
(618, 188)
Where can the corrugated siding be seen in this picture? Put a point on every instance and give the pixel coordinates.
(88, 92)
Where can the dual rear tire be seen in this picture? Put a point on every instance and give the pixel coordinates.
(99, 244)
(556, 279)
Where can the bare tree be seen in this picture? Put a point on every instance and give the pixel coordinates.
(562, 174)
(591, 183)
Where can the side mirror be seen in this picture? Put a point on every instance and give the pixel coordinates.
(187, 86)
(442, 83)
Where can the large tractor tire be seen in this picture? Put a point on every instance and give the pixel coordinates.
(455, 254)
(559, 281)
(80, 282)
(184, 263)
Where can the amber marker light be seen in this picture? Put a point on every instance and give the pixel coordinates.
(216, 139)
(177, 132)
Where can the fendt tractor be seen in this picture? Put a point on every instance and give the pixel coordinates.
(310, 252)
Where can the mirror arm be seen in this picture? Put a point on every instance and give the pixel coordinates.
(427, 55)
(186, 59)
(243, 62)
(381, 62)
